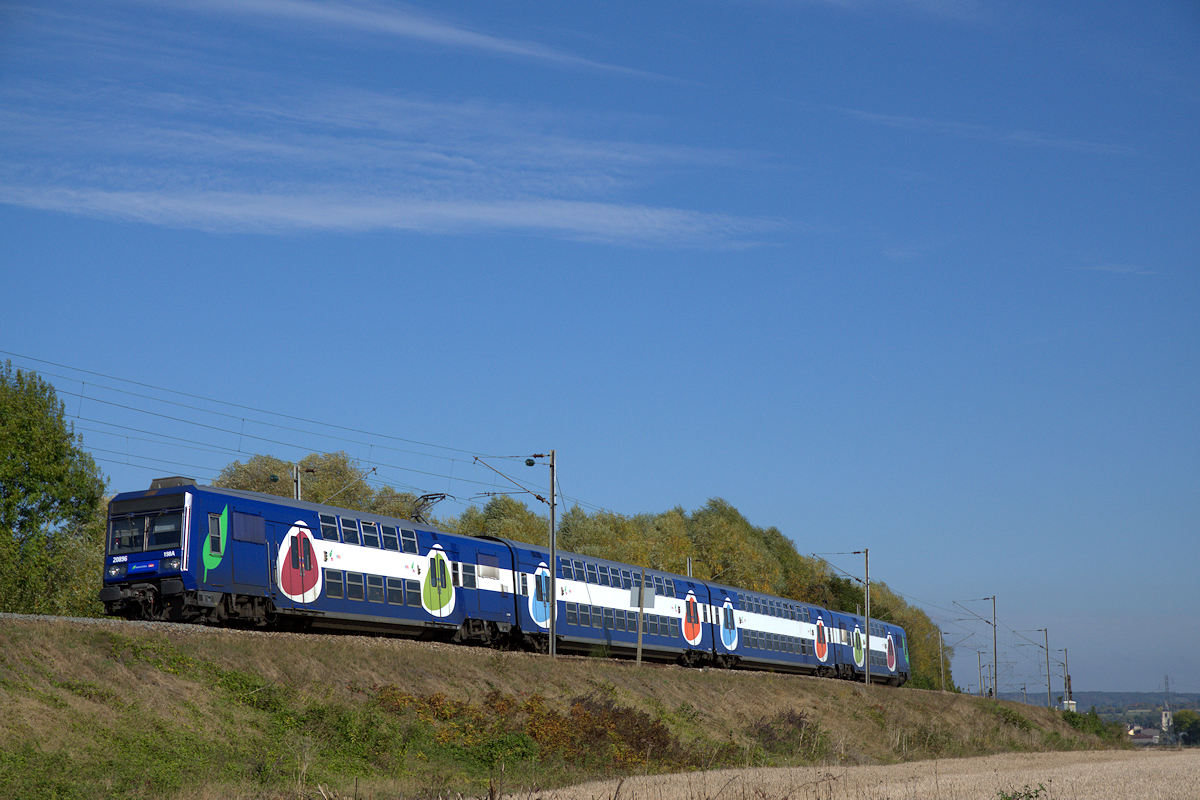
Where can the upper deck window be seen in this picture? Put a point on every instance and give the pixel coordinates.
(328, 528)
(370, 534)
(349, 531)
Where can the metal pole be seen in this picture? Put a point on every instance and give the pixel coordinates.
(1066, 676)
(296, 480)
(553, 568)
(979, 666)
(995, 663)
(689, 566)
(867, 571)
(942, 659)
(641, 613)
(1046, 632)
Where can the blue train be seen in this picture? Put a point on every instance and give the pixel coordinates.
(180, 551)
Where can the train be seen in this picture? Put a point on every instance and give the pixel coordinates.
(181, 551)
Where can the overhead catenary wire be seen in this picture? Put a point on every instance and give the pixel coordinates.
(88, 392)
(232, 404)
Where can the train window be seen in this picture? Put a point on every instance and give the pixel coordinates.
(375, 588)
(609, 621)
(370, 533)
(412, 593)
(391, 541)
(579, 573)
(620, 620)
(597, 617)
(455, 573)
(626, 579)
(349, 531)
(565, 570)
(584, 615)
(408, 541)
(333, 584)
(328, 528)
(592, 577)
(674, 625)
(214, 533)
(395, 591)
(354, 586)
(603, 575)
(572, 614)
(468, 576)
(489, 566)
(652, 624)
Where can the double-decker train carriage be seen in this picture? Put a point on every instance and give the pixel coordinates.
(184, 552)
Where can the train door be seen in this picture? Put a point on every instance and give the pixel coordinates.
(437, 588)
(298, 575)
(821, 640)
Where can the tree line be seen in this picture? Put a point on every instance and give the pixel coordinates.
(52, 527)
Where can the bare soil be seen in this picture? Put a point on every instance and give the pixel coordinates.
(1094, 775)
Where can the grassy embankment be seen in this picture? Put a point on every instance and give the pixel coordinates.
(108, 710)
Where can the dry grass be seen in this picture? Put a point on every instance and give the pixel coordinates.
(85, 696)
(1110, 775)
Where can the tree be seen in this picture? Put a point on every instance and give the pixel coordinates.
(332, 478)
(1187, 725)
(51, 519)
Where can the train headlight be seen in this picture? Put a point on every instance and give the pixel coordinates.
(115, 571)
(170, 564)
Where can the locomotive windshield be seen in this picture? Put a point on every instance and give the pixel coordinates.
(150, 523)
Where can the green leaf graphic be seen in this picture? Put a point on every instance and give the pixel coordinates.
(211, 559)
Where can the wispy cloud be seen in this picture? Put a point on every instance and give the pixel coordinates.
(396, 21)
(349, 160)
(106, 120)
(285, 212)
(960, 10)
(984, 133)
(1118, 269)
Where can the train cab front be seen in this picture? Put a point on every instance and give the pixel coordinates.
(145, 557)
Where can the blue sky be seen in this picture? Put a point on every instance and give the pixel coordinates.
(917, 276)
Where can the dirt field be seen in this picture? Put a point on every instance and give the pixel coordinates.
(1105, 775)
